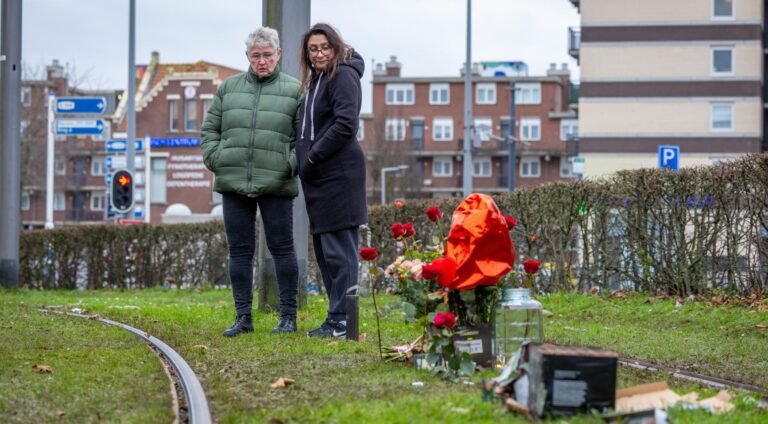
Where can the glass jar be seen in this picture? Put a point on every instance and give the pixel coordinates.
(517, 319)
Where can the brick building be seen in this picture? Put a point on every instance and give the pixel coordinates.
(79, 169)
(418, 121)
(171, 103)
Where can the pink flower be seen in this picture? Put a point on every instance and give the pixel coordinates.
(444, 320)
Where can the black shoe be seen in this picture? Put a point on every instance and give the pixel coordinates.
(330, 328)
(286, 325)
(243, 324)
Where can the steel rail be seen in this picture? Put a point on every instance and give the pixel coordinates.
(193, 400)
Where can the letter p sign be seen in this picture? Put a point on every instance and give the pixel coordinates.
(669, 157)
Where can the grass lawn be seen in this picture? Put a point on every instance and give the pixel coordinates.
(99, 369)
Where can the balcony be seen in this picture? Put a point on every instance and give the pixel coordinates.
(574, 42)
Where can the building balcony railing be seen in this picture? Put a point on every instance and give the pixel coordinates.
(574, 42)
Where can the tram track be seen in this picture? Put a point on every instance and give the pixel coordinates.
(189, 401)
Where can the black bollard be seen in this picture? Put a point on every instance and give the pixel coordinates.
(351, 305)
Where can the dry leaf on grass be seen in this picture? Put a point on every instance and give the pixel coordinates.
(761, 326)
(201, 347)
(60, 413)
(40, 368)
(361, 338)
(282, 382)
(333, 343)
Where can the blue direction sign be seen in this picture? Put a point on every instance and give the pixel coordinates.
(117, 146)
(80, 105)
(79, 126)
(669, 157)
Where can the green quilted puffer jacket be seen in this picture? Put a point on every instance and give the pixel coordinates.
(248, 135)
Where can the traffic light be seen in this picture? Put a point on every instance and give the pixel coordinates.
(122, 191)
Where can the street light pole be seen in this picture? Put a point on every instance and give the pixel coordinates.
(511, 139)
(467, 177)
(384, 179)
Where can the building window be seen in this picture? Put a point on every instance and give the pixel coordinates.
(206, 105)
(24, 201)
(481, 167)
(23, 125)
(530, 129)
(157, 182)
(60, 167)
(98, 167)
(530, 167)
(442, 167)
(26, 96)
(439, 94)
(722, 61)
(483, 128)
(485, 94)
(395, 129)
(98, 201)
(417, 130)
(569, 127)
(722, 117)
(190, 115)
(360, 130)
(442, 129)
(59, 201)
(566, 168)
(528, 93)
(400, 94)
(722, 9)
(173, 115)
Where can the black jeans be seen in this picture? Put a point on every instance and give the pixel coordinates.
(240, 223)
(336, 253)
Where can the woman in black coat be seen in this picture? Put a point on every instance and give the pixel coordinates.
(332, 164)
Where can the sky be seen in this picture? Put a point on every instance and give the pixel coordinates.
(90, 37)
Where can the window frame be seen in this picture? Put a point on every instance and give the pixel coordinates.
(25, 204)
(398, 123)
(173, 115)
(98, 195)
(481, 162)
(405, 88)
(714, 71)
(526, 122)
(360, 135)
(712, 127)
(490, 87)
(529, 160)
(484, 120)
(570, 123)
(193, 108)
(26, 96)
(569, 161)
(724, 17)
(439, 88)
(442, 160)
(441, 121)
(59, 195)
(527, 86)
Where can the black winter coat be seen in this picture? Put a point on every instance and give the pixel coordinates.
(334, 183)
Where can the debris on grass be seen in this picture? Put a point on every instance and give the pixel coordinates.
(281, 383)
(42, 369)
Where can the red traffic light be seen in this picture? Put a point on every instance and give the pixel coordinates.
(124, 180)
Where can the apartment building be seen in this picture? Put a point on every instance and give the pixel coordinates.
(687, 73)
(419, 122)
(79, 169)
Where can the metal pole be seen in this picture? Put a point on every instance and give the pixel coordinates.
(50, 161)
(512, 140)
(10, 150)
(467, 176)
(383, 186)
(290, 19)
(147, 180)
(130, 113)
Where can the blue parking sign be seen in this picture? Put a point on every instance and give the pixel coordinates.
(669, 157)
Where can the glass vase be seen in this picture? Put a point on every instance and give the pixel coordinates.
(517, 319)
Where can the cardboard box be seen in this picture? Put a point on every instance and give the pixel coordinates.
(477, 341)
(569, 380)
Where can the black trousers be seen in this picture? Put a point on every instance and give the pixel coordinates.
(240, 224)
(336, 253)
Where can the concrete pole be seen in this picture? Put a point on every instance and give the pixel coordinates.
(468, 124)
(130, 113)
(10, 150)
(511, 140)
(291, 19)
(50, 162)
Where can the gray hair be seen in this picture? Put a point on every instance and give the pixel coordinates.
(262, 37)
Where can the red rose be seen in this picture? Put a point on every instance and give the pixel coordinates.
(531, 266)
(442, 270)
(368, 253)
(434, 213)
(444, 320)
(399, 203)
(408, 228)
(511, 222)
(397, 230)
